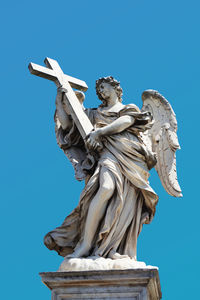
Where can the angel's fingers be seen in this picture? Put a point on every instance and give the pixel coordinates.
(96, 146)
(93, 144)
(89, 143)
(63, 89)
(100, 147)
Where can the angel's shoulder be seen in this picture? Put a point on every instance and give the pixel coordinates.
(130, 107)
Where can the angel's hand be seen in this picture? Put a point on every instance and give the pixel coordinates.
(59, 97)
(61, 89)
(93, 140)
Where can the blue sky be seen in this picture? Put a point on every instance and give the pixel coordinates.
(144, 44)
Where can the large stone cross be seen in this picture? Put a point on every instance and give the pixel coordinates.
(54, 73)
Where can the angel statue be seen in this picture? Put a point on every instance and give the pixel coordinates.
(114, 160)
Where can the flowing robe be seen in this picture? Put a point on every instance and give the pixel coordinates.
(133, 201)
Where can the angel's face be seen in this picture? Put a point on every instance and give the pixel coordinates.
(106, 90)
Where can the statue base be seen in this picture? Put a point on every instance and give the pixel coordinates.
(100, 263)
(135, 284)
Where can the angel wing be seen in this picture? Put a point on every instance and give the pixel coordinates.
(162, 139)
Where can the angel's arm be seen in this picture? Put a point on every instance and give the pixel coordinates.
(116, 126)
(63, 117)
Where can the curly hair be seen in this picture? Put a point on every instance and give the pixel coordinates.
(113, 82)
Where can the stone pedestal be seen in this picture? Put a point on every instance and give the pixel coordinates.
(135, 284)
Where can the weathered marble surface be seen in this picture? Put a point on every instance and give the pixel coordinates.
(138, 284)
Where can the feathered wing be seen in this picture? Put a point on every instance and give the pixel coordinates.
(162, 139)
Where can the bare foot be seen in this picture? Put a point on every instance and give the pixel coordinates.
(81, 251)
(116, 255)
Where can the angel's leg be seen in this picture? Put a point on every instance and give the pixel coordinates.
(96, 211)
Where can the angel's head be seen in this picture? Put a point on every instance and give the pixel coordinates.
(107, 87)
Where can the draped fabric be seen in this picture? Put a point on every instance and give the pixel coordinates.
(133, 201)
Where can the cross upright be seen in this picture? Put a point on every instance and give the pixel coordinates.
(54, 73)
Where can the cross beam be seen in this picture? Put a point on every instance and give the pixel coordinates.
(54, 73)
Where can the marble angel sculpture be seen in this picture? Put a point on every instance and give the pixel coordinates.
(114, 161)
